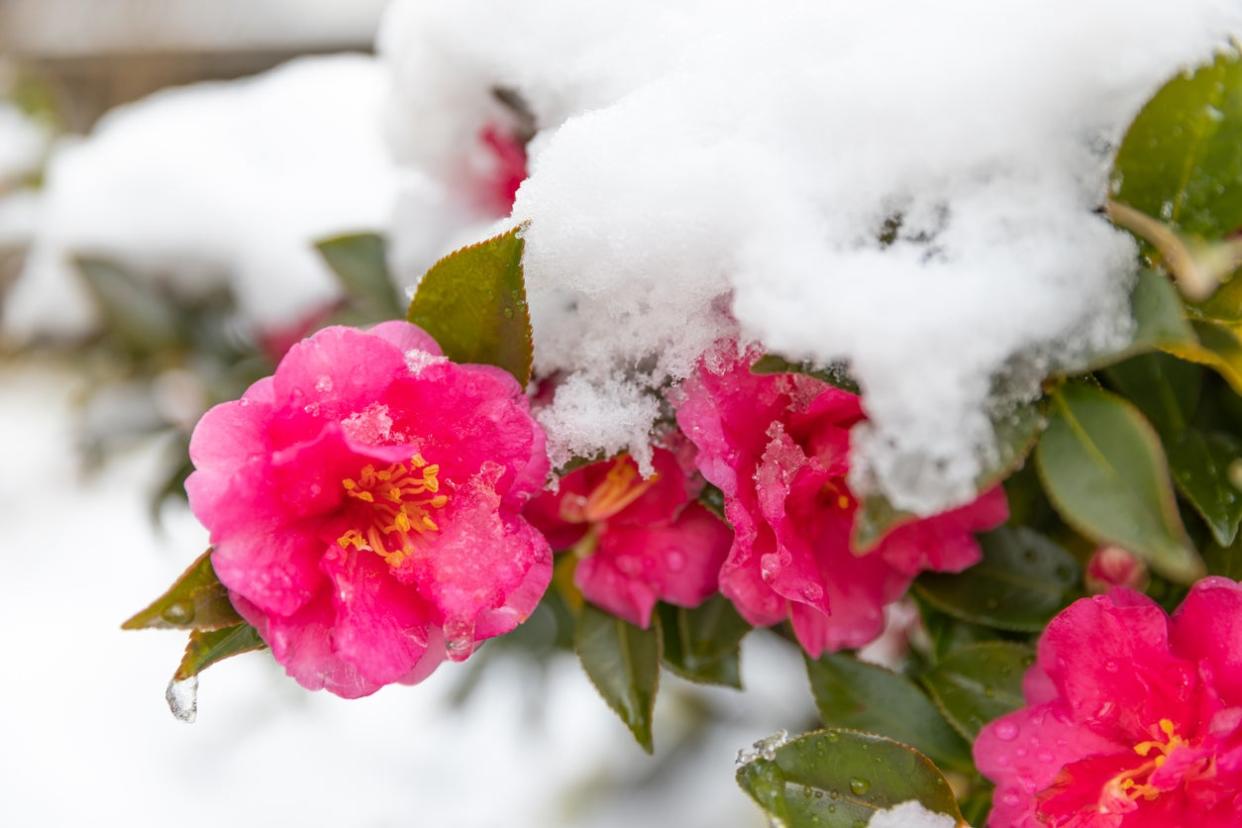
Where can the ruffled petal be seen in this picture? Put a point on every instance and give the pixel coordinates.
(1208, 627)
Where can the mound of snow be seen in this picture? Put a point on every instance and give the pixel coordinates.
(911, 188)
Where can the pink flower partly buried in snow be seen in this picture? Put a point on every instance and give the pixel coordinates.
(504, 170)
(778, 447)
(1134, 720)
(641, 540)
(365, 506)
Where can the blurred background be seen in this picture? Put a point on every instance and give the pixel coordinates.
(165, 169)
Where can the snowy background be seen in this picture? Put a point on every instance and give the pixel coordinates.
(230, 182)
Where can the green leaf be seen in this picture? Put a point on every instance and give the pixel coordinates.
(836, 374)
(1200, 462)
(1105, 473)
(360, 264)
(142, 320)
(1225, 560)
(1218, 346)
(473, 302)
(1165, 389)
(701, 644)
(853, 694)
(206, 647)
(1159, 319)
(1181, 159)
(1016, 432)
(978, 683)
(1022, 581)
(840, 778)
(196, 601)
(623, 662)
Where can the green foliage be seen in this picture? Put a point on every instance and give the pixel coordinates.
(1200, 462)
(473, 302)
(1022, 581)
(853, 694)
(840, 778)
(1184, 150)
(206, 647)
(623, 662)
(1165, 389)
(196, 601)
(1104, 470)
(977, 683)
(702, 644)
(359, 262)
(140, 319)
(1159, 319)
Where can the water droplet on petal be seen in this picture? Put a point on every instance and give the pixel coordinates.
(459, 639)
(859, 786)
(1006, 731)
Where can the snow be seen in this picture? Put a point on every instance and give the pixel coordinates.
(223, 180)
(910, 815)
(703, 168)
(84, 700)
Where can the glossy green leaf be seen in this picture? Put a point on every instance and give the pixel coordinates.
(473, 302)
(1016, 432)
(1225, 560)
(1181, 159)
(978, 683)
(1218, 346)
(1022, 581)
(702, 644)
(1200, 463)
(840, 778)
(836, 374)
(1105, 472)
(1159, 319)
(360, 264)
(196, 601)
(623, 662)
(853, 694)
(206, 647)
(1165, 389)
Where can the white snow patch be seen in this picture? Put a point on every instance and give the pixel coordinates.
(703, 162)
(222, 180)
(589, 416)
(910, 815)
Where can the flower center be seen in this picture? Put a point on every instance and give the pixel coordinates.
(837, 495)
(621, 486)
(401, 499)
(1127, 783)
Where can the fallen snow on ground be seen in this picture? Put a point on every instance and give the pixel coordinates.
(706, 164)
(87, 738)
(222, 180)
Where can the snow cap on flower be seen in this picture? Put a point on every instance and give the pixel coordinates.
(364, 504)
(641, 540)
(1133, 718)
(778, 447)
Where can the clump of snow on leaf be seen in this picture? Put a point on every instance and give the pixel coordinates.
(221, 180)
(701, 162)
(910, 815)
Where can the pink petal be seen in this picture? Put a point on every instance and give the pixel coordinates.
(945, 542)
(1024, 751)
(381, 626)
(1208, 627)
(278, 572)
(406, 336)
(1110, 661)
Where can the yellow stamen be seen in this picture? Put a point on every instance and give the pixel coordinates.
(1125, 783)
(621, 487)
(401, 516)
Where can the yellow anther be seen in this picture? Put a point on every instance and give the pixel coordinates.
(401, 516)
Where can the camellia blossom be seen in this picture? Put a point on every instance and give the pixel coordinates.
(364, 504)
(778, 446)
(1112, 566)
(641, 540)
(1133, 719)
(504, 173)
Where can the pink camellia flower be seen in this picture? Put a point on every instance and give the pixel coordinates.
(641, 540)
(1133, 719)
(365, 506)
(778, 447)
